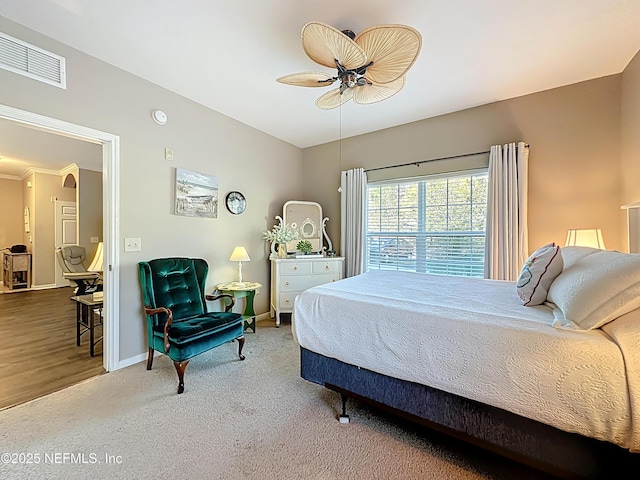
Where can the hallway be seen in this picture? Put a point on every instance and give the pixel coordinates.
(38, 352)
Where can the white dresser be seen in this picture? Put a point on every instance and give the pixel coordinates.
(291, 276)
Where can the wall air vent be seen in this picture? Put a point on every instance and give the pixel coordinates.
(33, 62)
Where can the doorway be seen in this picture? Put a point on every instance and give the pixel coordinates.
(110, 163)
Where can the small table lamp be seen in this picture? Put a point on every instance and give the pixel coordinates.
(591, 237)
(239, 255)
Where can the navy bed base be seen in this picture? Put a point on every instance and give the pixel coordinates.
(559, 453)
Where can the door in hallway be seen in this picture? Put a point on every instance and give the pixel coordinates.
(66, 233)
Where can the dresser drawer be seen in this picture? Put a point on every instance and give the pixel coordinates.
(286, 301)
(290, 277)
(298, 283)
(326, 267)
(295, 268)
(20, 263)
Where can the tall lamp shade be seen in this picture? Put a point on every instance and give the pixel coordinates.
(96, 263)
(590, 237)
(239, 255)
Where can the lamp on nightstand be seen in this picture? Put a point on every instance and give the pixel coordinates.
(239, 255)
(591, 237)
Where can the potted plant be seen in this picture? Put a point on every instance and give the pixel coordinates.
(281, 234)
(304, 246)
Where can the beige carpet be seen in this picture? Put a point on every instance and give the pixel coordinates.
(255, 419)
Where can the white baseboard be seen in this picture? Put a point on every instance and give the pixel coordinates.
(127, 362)
(44, 287)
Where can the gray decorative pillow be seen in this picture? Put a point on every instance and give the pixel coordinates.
(537, 274)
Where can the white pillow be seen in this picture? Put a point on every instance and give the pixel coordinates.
(571, 255)
(596, 289)
(537, 273)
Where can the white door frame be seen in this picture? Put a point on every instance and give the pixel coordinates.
(110, 206)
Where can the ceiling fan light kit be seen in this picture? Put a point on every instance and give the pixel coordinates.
(371, 66)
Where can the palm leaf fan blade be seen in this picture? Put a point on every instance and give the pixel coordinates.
(367, 94)
(393, 49)
(334, 98)
(307, 79)
(325, 44)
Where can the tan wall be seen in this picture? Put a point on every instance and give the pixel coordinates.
(630, 137)
(574, 133)
(11, 219)
(89, 196)
(29, 201)
(105, 98)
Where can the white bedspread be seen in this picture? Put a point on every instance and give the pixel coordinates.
(473, 337)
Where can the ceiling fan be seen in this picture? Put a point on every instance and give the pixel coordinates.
(371, 66)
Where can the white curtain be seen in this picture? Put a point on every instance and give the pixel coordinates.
(353, 185)
(506, 247)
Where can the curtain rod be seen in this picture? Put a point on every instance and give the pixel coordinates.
(417, 164)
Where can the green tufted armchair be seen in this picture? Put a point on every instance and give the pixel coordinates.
(175, 308)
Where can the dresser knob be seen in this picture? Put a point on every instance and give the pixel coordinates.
(286, 284)
(295, 268)
(286, 300)
(326, 267)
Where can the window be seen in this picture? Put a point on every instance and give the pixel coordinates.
(431, 225)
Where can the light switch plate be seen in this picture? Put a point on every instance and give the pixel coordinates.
(132, 244)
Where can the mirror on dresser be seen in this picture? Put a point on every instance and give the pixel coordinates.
(306, 219)
(296, 272)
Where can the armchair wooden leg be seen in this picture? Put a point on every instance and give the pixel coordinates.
(150, 359)
(240, 345)
(180, 368)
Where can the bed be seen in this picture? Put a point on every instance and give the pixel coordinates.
(554, 385)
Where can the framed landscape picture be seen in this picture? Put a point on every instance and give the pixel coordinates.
(196, 194)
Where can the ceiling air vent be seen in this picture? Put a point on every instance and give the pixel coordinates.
(33, 62)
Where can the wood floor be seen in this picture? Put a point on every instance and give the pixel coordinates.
(38, 352)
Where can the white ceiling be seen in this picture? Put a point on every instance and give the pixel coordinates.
(226, 54)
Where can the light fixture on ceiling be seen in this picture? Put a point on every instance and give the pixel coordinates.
(371, 65)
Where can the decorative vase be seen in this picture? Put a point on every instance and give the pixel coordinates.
(282, 250)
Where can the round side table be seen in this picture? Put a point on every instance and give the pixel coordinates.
(246, 290)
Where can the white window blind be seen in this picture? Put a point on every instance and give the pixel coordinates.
(429, 225)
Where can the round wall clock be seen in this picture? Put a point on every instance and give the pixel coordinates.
(236, 203)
